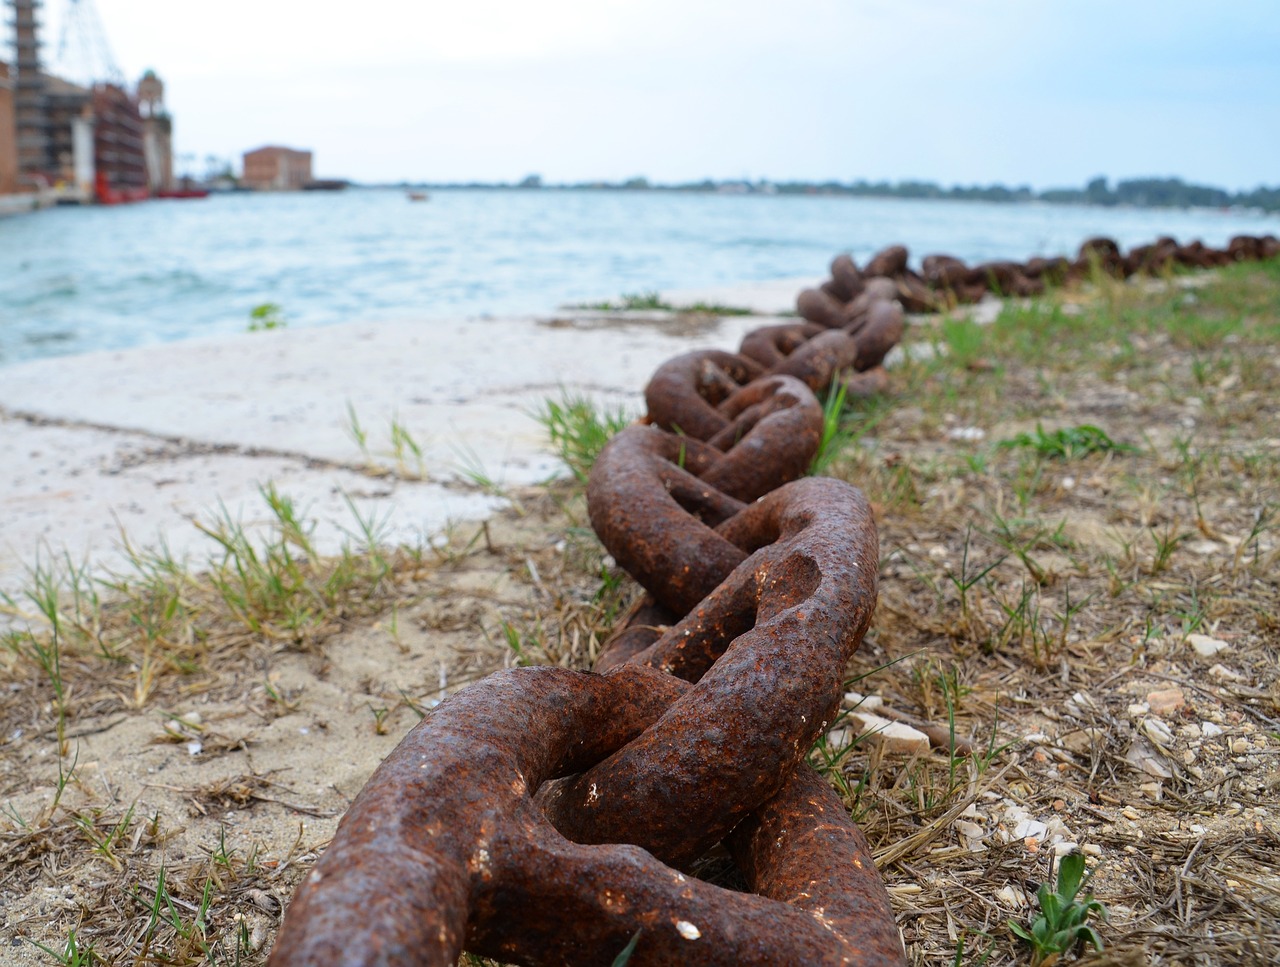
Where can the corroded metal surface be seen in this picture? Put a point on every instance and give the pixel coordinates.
(770, 345)
(767, 649)
(684, 393)
(703, 707)
(774, 431)
(654, 497)
(444, 849)
(944, 280)
(543, 816)
(859, 347)
(656, 517)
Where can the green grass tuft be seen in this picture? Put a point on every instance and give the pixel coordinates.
(579, 429)
(1068, 443)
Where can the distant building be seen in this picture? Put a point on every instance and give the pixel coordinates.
(118, 153)
(276, 168)
(74, 143)
(29, 96)
(8, 135)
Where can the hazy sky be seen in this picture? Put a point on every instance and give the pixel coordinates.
(1016, 91)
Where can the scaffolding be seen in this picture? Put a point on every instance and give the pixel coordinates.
(81, 141)
(30, 103)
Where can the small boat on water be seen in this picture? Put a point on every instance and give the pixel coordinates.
(418, 196)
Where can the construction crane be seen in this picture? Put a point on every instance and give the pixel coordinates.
(83, 54)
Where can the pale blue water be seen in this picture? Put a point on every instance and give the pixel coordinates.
(79, 279)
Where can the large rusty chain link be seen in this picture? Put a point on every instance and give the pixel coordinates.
(546, 816)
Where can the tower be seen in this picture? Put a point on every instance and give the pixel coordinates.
(151, 95)
(157, 132)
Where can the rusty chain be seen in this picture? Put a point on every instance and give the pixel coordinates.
(545, 816)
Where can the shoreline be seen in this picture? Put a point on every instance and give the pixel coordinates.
(139, 443)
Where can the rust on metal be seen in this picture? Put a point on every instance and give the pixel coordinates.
(767, 649)
(684, 393)
(445, 850)
(545, 816)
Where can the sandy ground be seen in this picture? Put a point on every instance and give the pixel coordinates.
(239, 776)
(141, 442)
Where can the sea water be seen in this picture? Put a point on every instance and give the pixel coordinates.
(80, 279)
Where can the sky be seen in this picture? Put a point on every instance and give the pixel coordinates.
(1021, 92)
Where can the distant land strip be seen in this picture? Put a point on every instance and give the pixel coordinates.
(1134, 192)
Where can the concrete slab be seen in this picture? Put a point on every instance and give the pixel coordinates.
(141, 442)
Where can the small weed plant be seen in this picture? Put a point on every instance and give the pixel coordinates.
(579, 429)
(1064, 915)
(265, 316)
(1068, 443)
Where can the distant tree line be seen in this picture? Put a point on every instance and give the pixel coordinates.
(1136, 192)
(909, 189)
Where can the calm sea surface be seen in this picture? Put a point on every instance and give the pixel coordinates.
(79, 279)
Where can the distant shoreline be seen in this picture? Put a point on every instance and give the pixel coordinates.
(1132, 193)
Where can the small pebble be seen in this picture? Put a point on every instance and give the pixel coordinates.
(1206, 647)
(864, 703)
(1165, 700)
(895, 738)
(1240, 746)
(1011, 896)
(1157, 731)
(1030, 829)
(1210, 730)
